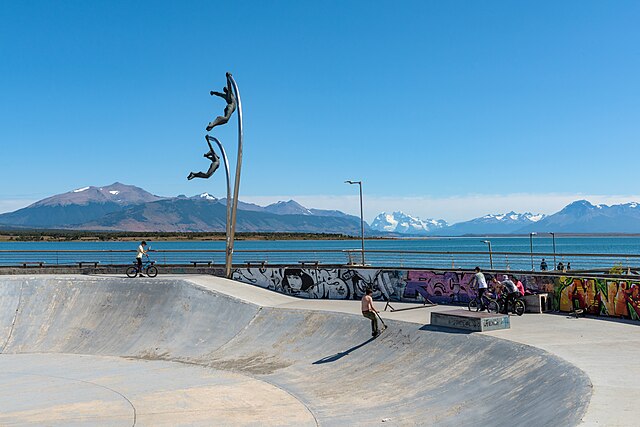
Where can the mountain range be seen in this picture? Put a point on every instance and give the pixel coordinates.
(120, 207)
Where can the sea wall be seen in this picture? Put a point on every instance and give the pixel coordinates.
(599, 296)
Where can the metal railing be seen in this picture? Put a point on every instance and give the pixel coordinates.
(502, 261)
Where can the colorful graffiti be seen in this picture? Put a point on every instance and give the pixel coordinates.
(332, 283)
(349, 283)
(603, 297)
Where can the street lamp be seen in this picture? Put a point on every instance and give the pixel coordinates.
(488, 242)
(531, 248)
(553, 236)
(361, 215)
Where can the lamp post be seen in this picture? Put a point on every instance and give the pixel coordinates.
(361, 216)
(488, 242)
(531, 248)
(553, 236)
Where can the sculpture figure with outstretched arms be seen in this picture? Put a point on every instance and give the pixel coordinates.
(228, 95)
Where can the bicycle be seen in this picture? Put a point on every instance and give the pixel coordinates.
(147, 266)
(516, 306)
(490, 304)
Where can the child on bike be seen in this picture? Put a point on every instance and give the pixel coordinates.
(141, 252)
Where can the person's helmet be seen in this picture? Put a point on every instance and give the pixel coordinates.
(505, 277)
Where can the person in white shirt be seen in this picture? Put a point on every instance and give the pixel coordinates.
(139, 255)
(481, 283)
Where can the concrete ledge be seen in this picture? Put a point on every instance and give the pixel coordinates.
(470, 320)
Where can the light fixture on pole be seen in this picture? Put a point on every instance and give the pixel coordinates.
(361, 216)
(531, 248)
(488, 242)
(553, 236)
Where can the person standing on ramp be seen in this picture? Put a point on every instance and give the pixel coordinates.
(370, 312)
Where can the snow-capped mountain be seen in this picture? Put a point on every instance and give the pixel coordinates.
(117, 193)
(506, 223)
(81, 205)
(399, 222)
(583, 217)
(205, 196)
(287, 208)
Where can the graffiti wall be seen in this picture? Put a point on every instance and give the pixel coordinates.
(351, 283)
(603, 297)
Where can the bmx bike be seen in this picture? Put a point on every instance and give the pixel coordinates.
(147, 266)
(490, 304)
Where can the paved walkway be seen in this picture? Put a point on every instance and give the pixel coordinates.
(606, 350)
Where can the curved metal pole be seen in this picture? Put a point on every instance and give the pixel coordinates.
(234, 209)
(226, 170)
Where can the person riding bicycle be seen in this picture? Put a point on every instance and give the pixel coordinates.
(511, 289)
(141, 252)
(481, 282)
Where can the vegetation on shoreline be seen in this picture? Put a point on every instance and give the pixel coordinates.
(124, 236)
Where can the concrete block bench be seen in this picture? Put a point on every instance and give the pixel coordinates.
(537, 303)
(470, 320)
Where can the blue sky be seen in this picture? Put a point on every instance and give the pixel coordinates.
(448, 109)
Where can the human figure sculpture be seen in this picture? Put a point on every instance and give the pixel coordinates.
(228, 96)
(215, 162)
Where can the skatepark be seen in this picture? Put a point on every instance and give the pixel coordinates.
(203, 350)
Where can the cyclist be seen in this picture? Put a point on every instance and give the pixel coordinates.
(511, 289)
(141, 252)
(481, 282)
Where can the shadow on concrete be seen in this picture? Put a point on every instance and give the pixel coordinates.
(340, 355)
(599, 318)
(442, 329)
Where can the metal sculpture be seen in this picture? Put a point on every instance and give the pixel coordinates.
(215, 162)
(231, 95)
(228, 95)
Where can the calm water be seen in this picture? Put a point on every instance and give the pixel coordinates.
(542, 247)
(541, 244)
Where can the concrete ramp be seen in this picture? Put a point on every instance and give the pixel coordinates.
(123, 337)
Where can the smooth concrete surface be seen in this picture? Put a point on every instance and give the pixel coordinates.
(130, 347)
(68, 390)
(605, 349)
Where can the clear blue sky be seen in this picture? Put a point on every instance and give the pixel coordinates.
(440, 107)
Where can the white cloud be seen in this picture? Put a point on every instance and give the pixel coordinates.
(452, 209)
(10, 205)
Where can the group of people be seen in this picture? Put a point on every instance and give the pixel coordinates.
(559, 267)
(513, 290)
